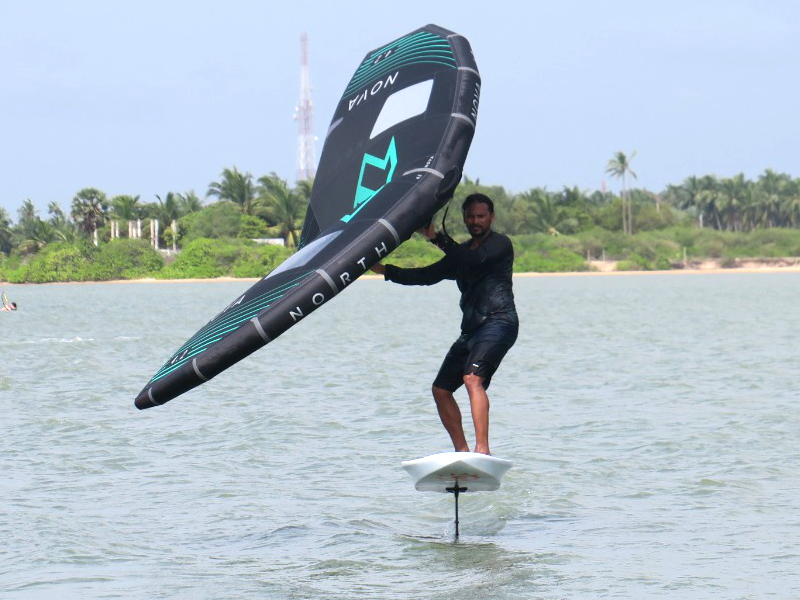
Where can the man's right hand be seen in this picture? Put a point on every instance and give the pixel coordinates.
(428, 232)
(379, 269)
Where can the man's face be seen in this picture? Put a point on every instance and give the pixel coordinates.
(478, 219)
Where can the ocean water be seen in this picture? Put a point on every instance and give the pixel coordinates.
(653, 423)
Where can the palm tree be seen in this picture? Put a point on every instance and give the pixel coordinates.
(282, 206)
(683, 197)
(235, 186)
(538, 211)
(772, 188)
(189, 203)
(574, 210)
(126, 208)
(692, 187)
(5, 231)
(64, 228)
(620, 167)
(709, 201)
(792, 208)
(735, 199)
(43, 234)
(89, 207)
(57, 217)
(28, 218)
(303, 189)
(167, 210)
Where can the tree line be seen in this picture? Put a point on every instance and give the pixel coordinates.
(245, 207)
(266, 207)
(737, 204)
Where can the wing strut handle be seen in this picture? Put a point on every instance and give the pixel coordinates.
(445, 191)
(448, 185)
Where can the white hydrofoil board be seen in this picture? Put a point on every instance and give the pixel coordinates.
(470, 470)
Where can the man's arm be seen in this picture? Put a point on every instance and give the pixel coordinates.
(434, 273)
(422, 275)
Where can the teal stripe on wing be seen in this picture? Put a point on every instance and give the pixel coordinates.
(433, 44)
(425, 55)
(415, 39)
(223, 327)
(220, 327)
(233, 314)
(419, 45)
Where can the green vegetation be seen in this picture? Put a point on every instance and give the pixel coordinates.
(204, 257)
(119, 259)
(703, 217)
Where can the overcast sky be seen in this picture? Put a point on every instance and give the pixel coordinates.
(150, 96)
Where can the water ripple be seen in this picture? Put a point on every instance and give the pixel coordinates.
(652, 422)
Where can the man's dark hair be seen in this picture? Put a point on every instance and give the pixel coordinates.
(475, 198)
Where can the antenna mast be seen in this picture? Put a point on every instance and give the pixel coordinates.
(304, 115)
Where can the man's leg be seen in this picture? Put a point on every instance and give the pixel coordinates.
(479, 403)
(450, 415)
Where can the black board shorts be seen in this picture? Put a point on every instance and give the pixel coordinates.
(479, 352)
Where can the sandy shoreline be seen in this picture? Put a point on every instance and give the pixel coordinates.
(601, 268)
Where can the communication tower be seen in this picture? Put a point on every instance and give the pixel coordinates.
(304, 115)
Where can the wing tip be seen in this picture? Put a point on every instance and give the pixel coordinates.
(145, 399)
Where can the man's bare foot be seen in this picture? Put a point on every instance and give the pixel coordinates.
(482, 450)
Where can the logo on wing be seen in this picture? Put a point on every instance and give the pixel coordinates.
(375, 173)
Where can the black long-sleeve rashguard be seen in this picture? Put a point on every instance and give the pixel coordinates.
(483, 276)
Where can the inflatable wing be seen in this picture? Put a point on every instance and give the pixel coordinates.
(392, 157)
